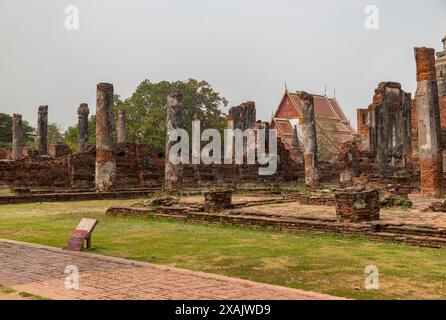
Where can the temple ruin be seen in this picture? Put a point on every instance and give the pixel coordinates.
(398, 149)
(400, 139)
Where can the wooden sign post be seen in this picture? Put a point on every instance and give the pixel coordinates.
(83, 232)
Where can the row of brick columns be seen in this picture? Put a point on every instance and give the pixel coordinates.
(41, 133)
(430, 149)
(105, 158)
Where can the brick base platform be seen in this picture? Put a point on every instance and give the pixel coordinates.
(419, 235)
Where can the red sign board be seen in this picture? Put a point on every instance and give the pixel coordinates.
(82, 233)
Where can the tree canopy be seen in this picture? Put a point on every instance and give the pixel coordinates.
(54, 134)
(145, 110)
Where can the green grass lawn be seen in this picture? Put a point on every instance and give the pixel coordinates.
(321, 263)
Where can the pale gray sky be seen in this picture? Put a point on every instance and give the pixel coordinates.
(246, 49)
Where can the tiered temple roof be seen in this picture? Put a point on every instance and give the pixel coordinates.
(333, 127)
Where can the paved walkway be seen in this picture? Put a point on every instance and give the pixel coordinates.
(40, 270)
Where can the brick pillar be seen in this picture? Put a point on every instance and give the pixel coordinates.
(429, 143)
(82, 127)
(364, 129)
(122, 127)
(348, 162)
(310, 140)
(174, 120)
(105, 157)
(242, 117)
(42, 130)
(295, 151)
(17, 136)
(414, 125)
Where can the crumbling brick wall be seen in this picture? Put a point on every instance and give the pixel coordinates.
(58, 150)
(151, 165)
(35, 172)
(81, 168)
(360, 168)
(243, 116)
(288, 171)
(127, 169)
(229, 174)
(137, 166)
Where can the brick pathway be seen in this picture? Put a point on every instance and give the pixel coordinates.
(40, 270)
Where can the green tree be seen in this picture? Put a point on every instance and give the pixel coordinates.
(54, 134)
(6, 132)
(146, 114)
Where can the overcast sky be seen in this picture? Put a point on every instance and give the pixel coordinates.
(246, 49)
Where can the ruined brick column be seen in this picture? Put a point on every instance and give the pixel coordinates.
(242, 117)
(385, 128)
(309, 140)
(364, 128)
(42, 130)
(429, 144)
(17, 136)
(295, 142)
(105, 157)
(295, 151)
(122, 127)
(348, 162)
(174, 120)
(82, 131)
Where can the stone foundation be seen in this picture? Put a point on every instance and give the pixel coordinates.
(357, 205)
(24, 195)
(419, 235)
(216, 201)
